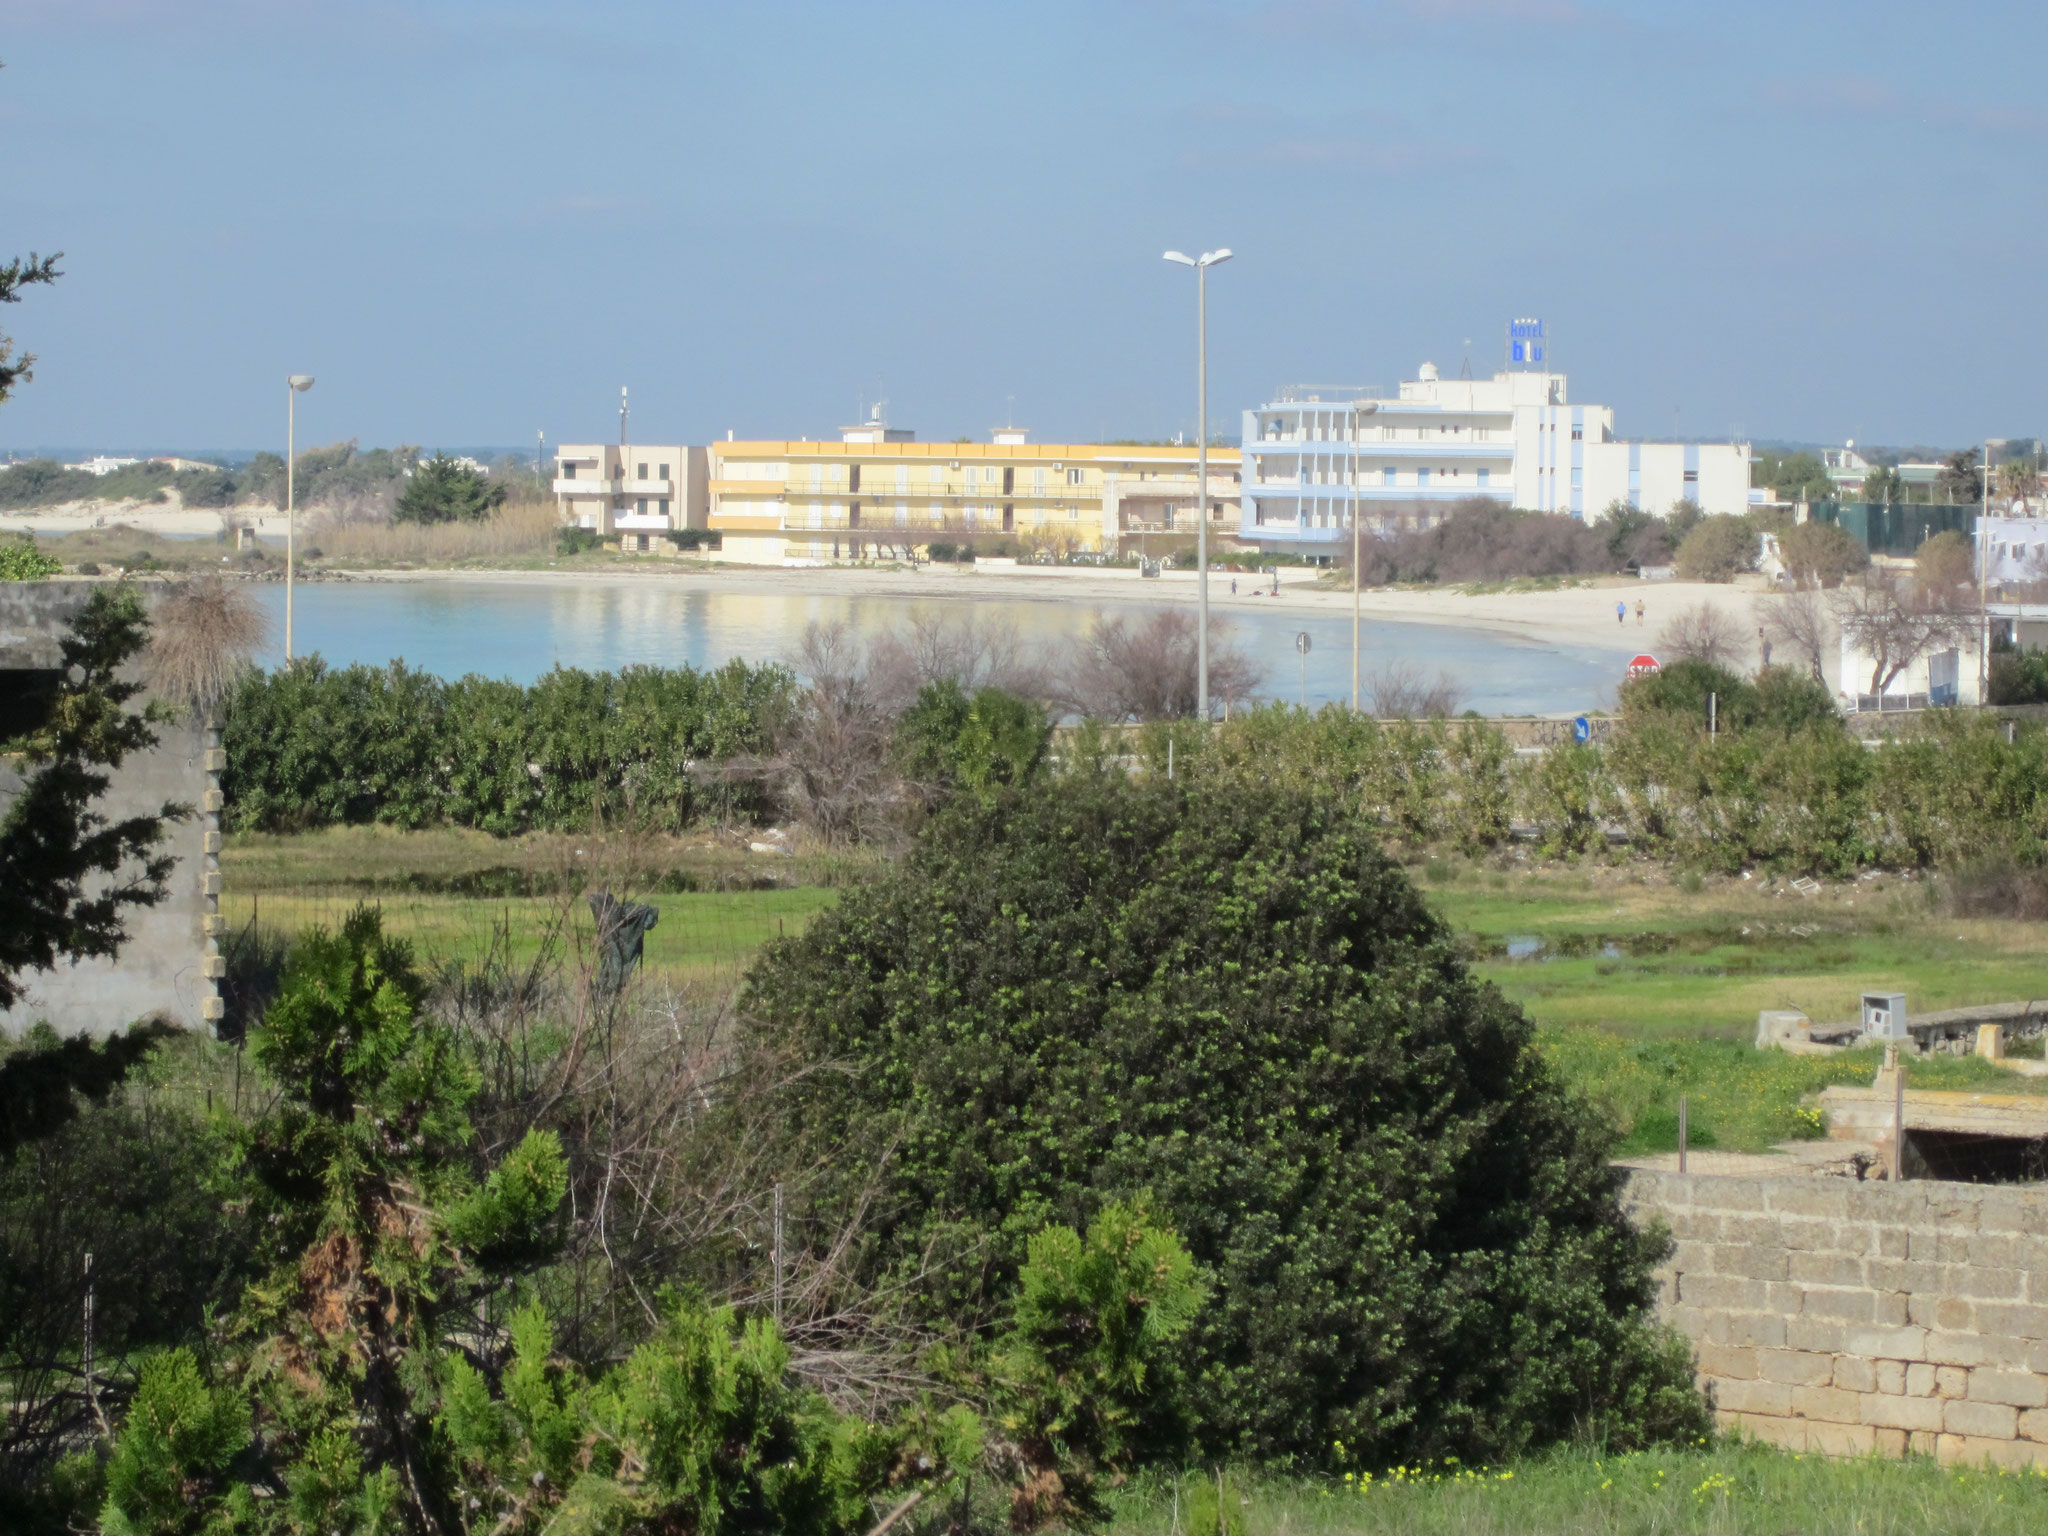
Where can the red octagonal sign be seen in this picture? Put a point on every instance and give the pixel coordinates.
(1643, 665)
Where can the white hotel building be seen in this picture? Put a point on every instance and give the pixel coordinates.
(1315, 453)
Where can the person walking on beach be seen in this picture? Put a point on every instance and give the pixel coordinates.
(1764, 640)
(1639, 613)
(1621, 613)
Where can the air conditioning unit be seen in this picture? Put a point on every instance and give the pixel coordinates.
(954, 465)
(1058, 465)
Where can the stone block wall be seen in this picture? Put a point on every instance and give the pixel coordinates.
(1846, 1318)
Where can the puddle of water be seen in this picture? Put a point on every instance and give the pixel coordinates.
(1630, 946)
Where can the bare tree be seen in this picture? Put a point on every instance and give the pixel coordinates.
(1400, 692)
(834, 749)
(203, 636)
(974, 652)
(1895, 621)
(1799, 623)
(1145, 669)
(1702, 632)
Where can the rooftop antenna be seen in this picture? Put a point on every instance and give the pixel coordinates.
(1010, 415)
(622, 415)
(1465, 368)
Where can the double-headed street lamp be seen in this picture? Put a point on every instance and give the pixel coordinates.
(296, 385)
(1201, 264)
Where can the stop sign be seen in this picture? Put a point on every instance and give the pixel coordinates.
(1643, 665)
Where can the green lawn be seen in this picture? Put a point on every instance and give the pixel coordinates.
(1643, 989)
(1646, 991)
(1726, 1490)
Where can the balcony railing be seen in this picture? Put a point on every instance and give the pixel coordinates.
(575, 486)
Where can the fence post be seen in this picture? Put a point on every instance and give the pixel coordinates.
(1899, 1124)
(1682, 1128)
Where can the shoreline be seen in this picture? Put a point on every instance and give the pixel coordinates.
(1580, 616)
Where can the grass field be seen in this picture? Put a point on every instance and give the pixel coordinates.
(1725, 1490)
(1643, 988)
(456, 894)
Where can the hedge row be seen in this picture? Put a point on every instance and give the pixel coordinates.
(313, 746)
(1813, 800)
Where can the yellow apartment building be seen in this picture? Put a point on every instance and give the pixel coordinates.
(878, 494)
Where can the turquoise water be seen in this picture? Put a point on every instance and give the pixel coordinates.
(520, 630)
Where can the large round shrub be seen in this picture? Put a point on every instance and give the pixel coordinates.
(1224, 993)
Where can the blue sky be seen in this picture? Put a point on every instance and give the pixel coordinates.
(471, 220)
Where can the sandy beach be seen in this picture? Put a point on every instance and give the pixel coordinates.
(1580, 616)
(169, 518)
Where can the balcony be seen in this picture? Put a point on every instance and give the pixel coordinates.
(577, 486)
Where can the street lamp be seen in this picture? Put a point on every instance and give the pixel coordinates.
(1358, 409)
(296, 385)
(1201, 264)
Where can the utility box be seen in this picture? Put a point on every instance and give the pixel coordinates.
(1884, 1017)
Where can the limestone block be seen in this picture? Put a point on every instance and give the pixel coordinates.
(209, 842)
(212, 802)
(1907, 1413)
(1989, 1284)
(1819, 1269)
(1976, 1451)
(1855, 1374)
(1989, 1421)
(2019, 1389)
(1889, 1308)
(1951, 1381)
(216, 761)
(1851, 1304)
(1795, 1366)
(213, 967)
(1832, 1439)
(1730, 1362)
(1921, 1442)
(1891, 1442)
(1772, 1398)
(1820, 1198)
(1786, 1433)
(1766, 1330)
(1959, 1349)
(2034, 1425)
(2015, 1320)
(1832, 1406)
(1756, 1261)
(213, 925)
(1953, 1315)
(212, 1009)
(209, 883)
(1891, 1377)
(1821, 1334)
(1727, 1292)
(1920, 1379)
(1691, 1258)
(1886, 1343)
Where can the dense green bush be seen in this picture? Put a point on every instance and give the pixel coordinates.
(21, 560)
(311, 746)
(950, 741)
(1218, 989)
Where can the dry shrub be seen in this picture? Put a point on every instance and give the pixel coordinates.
(1997, 887)
(1145, 668)
(520, 528)
(1702, 633)
(203, 634)
(1400, 692)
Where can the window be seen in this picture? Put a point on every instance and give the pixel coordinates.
(1578, 434)
(903, 508)
(1692, 477)
(1387, 475)
(568, 471)
(1073, 477)
(902, 479)
(1576, 481)
(643, 471)
(1485, 477)
(661, 506)
(664, 472)
(640, 506)
(1422, 477)
(1038, 481)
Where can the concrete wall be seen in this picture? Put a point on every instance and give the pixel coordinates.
(170, 963)
(1847, 1318)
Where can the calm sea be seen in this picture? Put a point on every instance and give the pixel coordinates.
(520, 630)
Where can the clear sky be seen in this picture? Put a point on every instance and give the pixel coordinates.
(475, 218)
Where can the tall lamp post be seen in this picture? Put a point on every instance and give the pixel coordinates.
(1358, 408)
(1201, 264)
(295, 386)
